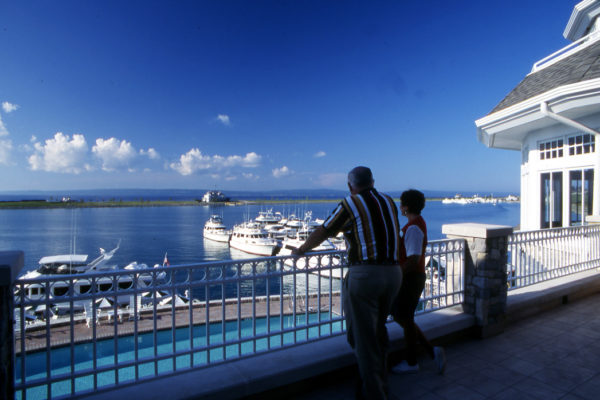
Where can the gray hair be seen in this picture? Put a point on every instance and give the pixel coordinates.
(360, 177)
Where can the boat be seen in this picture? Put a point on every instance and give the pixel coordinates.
(214, 229)
(312, 262)
(71, 265)
(277, 231)
(268, 217)
(251, 238)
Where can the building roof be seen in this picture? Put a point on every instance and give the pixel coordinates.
(581, 66)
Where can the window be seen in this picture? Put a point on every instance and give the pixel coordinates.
(581, 194)
(582, 144)
(551, 209)
(551, 149)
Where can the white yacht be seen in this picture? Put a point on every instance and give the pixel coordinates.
(293, 223)
(76, 264)
(268, 217)
(253, 239)
(214, 229)
(313, 261)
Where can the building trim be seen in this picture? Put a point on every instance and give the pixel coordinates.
(507, 128)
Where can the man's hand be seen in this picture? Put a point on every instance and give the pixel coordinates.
(297, 251)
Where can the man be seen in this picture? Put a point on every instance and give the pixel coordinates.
(369, 220)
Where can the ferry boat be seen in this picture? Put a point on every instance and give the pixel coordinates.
(251, 238)
(214, 229)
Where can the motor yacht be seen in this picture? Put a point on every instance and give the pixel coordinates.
(72, 265)
(214, 229)
(268, 217)
(251, 238)
(314, 261)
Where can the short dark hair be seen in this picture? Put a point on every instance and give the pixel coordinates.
(414, 200)
(360, 177)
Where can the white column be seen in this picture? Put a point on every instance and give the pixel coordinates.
(596, 198)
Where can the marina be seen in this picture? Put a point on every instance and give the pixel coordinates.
(186, 218)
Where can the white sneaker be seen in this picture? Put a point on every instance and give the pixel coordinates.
(439, 357)
(404, 368)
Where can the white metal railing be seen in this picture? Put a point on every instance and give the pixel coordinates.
(94, 331)
(444, 285)
(538, 256)
(565, 51)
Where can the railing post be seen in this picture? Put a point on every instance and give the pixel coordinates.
(11, 263)
(485, 273)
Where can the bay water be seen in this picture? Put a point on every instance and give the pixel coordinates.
(147, 233)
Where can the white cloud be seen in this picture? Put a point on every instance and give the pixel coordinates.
(319, 154)
(150, 153)
(115, 154)
(3, 130)
(250, 160)
(194, 160)
(5, 150)
(250, 175)
(281, 172)
(224, 119)
(230, 178)
(61, 154)
(9, 107)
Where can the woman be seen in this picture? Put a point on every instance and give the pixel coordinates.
(414, 242)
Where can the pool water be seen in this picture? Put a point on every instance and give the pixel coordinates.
(35, 363)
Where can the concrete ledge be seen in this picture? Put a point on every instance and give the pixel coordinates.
(475, 230)
(279, 368)
(593, 219)
(524, 302)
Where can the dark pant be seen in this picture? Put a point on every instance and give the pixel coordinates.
(403, 312)
(369, 291)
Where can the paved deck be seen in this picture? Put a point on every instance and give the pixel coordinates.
(552, 355)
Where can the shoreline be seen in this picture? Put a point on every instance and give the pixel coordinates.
(42, 204)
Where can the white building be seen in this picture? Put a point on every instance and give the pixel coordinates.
(553, 118)
(214, 196)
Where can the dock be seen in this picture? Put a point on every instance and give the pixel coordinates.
(56, 332)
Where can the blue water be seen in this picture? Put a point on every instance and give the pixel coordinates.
(35, 365)
(147, 233)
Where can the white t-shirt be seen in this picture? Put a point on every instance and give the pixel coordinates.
(413, 241)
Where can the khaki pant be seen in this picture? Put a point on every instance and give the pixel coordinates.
(369, 291)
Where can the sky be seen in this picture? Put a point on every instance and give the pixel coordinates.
(263, 95)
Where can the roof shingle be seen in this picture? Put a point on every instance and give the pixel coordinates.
(581, 66)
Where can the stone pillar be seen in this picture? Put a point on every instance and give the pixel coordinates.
(485, 273)
(11, 263)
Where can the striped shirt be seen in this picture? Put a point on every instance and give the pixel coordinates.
(369, 221)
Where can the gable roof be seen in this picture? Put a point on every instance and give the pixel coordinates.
(578, 67)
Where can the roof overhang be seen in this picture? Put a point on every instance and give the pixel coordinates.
(582, 16)
(508, 128)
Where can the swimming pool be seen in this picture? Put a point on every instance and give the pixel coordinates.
(111, 368)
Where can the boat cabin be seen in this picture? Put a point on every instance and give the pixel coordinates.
(63, 264)
(553, 118)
